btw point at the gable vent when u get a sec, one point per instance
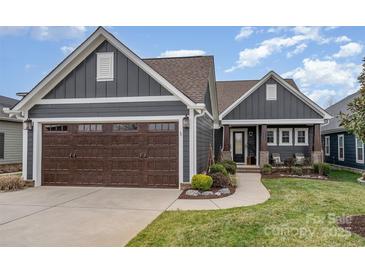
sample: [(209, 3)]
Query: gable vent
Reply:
[(105, 66)]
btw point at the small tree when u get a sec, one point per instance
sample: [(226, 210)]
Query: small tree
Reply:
[(354, 121)]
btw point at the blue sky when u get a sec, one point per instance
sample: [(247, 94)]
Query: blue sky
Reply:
[(324, 61)]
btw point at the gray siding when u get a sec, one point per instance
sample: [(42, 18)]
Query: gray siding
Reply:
[(205, 140), (129, 80), (287, 152), (186, 155), (13, 144), (350, 151), (287, 106), (30, 155), (108, 109)]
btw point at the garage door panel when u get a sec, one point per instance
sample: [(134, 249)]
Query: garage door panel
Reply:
[(137, 155)]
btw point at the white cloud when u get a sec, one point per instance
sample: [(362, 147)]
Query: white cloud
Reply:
[(45, 33), (67, 49), (182, 53), (298, 49), (348, 50), (29, 66), (325, 72), (245, 32), (324, 97), (342, 39)]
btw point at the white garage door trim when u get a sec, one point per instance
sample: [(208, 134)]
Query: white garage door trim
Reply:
[(37, 136)]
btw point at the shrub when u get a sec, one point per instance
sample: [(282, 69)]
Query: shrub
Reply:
[(218, 168), (322, 168), (267, 169), (296, 170), (220, 180), (11, 182), (230, 166), (201, 182)]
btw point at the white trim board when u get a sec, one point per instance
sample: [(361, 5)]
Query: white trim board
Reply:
[(274, 122), (77, 56), (279, 79), (109, 100), (37, 137), (357, 152), (338, 147), (327, 143)]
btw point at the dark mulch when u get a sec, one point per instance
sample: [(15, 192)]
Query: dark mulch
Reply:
[(201, 197), (354, 224)]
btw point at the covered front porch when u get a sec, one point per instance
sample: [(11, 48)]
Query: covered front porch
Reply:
[(254, 145)]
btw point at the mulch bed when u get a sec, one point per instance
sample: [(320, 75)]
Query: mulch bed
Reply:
[(354, 224), (204, 197)]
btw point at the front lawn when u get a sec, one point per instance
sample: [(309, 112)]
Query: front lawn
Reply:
[(300, 212)]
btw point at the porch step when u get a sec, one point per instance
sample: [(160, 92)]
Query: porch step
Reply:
[(255, 169)]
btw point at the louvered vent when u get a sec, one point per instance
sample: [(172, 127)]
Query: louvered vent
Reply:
[(105, 66)]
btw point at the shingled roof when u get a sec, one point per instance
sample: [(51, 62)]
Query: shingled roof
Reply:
[(188, 74), (334, 110), (230, 91)]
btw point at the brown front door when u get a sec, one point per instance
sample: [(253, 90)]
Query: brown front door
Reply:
[(125, 154)]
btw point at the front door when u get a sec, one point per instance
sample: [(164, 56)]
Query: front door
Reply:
[(238, 146)]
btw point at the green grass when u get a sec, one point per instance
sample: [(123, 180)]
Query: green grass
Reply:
[(300, 212)]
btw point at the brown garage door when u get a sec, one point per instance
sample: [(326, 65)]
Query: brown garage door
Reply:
[(125, 154)]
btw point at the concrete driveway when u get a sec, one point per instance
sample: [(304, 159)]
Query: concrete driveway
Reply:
[(79, 216)]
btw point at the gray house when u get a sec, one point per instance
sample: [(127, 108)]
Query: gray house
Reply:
[(340, 147), (104, 116), (10, 135)]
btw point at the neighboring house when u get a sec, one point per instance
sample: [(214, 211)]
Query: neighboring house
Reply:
[(340, 147), (104, 116), (10, 134)]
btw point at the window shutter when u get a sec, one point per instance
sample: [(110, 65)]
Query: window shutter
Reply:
[(271, 92), (2, 145), (105, 66)]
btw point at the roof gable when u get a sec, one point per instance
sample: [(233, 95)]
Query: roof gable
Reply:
[(77, 56), (286, 85)]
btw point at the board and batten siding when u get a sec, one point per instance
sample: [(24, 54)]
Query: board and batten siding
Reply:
[(129, 80), (350, 151), (120, 109), (13, 142), (287, 106), (205, 141)]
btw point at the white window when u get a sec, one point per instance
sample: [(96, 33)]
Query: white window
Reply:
[(271, 92), (359, 151), (285, 136), (271, 137), (105, 66), (341, 147), (327, 143), (301, 136)]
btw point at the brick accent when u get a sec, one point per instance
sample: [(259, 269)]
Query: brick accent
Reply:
[(264, 158)]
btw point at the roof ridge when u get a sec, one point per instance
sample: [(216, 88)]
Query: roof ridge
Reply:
[(177, 57), (249, 80)]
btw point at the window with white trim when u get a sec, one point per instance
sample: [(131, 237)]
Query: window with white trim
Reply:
[(271, 92), (285, 136), (327, 143), (271, 137), (341, 147), (359, 151), (301, 136), (104, 66)]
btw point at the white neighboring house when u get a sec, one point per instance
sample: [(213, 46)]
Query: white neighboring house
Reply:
[(11, 138)]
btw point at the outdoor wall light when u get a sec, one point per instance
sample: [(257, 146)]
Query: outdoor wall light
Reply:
[(28, 124), (186, 122)]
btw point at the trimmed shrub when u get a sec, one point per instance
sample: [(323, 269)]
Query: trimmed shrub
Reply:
[(322, 168), (266, 169), (220, 180), (202, 182), (216, 168), (230, 166), (296, 170), (11, 183)]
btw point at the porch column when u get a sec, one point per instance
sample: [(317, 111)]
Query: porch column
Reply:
[(264, 153), (317, 148), (226, 154)]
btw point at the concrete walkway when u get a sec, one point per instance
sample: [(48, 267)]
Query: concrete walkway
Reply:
[(250, 191)]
